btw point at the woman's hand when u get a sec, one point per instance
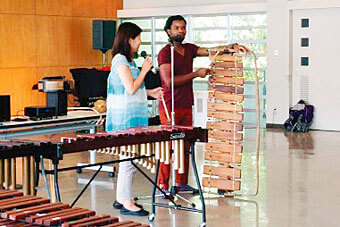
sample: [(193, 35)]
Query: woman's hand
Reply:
[(156, 93), (147, 65)]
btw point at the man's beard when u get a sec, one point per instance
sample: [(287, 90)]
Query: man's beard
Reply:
[(177, 38)]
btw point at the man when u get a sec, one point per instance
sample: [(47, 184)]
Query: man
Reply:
[(184, 54)]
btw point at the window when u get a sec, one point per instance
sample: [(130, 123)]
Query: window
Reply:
[(213, 30)]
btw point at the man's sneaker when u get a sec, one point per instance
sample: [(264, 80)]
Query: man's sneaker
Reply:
[(168, 194), (187, 188)]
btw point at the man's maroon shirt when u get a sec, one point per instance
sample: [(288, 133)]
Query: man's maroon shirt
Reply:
[(184, 97)]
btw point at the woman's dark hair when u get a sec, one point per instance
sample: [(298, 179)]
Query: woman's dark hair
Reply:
[(172, 19), (121, 45)]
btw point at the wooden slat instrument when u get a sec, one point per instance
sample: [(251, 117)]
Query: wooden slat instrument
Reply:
[(19, 210)]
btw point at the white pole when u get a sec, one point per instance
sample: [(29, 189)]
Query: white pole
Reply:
[(172, 86)]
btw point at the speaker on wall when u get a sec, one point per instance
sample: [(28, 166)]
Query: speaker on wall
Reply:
[(5, 108), (103, 34)]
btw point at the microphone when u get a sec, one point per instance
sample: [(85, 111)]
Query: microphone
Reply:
[(144, 55), (177, 38)]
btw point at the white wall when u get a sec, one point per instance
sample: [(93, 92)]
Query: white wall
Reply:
[(277, 61), (278, 36), (138, 4)]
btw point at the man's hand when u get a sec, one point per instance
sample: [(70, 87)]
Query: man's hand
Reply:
[(201, 72), (232, 48), (241, 49)]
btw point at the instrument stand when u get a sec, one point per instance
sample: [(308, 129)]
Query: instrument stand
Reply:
[(174, 194), (174, 189)]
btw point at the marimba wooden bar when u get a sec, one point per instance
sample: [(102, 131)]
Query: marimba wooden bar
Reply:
[(19, 210), (225, 113)]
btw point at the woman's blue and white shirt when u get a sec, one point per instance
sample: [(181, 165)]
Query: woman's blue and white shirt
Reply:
[(124, 110)]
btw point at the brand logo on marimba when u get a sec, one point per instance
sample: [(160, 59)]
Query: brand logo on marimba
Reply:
[(175, 136)]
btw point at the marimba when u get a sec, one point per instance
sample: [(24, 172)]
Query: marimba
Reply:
[(19, 210), (225, 114), (151, 143), (9, 151)]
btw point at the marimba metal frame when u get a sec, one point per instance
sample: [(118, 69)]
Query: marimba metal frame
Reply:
[(175, 206), (55, 152), (56, 170)]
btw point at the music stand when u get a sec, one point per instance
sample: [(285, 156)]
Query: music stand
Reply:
[(174, 189)]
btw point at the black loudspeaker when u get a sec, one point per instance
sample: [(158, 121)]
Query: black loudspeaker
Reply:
[(5, 108), (103, 34), (58, 100)]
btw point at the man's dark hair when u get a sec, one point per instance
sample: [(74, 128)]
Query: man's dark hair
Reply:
[(172, 19), (121, 44)]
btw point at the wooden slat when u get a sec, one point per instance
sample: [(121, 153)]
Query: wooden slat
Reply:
[(227, 57), (225, 126), (227, 65), (222, 157), (123, 223), (99, 222), (225, 136), (225, 115), (222, 184), (226, 80), (24, 203), (226, 97), (224, 147), (34, 218), (225, 107), (226, 88), (16, 199), (227, 73), (222, 171), (12, 224), (23, 213), (88, 220), (8, 194), (53, 221)]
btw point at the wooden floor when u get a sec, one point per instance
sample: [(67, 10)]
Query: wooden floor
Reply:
[(298, 185)]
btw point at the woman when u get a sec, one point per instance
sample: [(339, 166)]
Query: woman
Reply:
[(127, 105)]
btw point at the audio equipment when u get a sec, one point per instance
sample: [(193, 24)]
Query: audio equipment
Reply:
[(58, 101), (103, 34), (5, 108), (40, 112)]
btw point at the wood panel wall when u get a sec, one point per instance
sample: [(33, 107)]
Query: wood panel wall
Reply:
[(41, 38)]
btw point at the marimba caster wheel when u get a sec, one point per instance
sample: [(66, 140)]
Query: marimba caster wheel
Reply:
[(151, 218), (79, 170), (193, 205), (111, 174), (203, 224)]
